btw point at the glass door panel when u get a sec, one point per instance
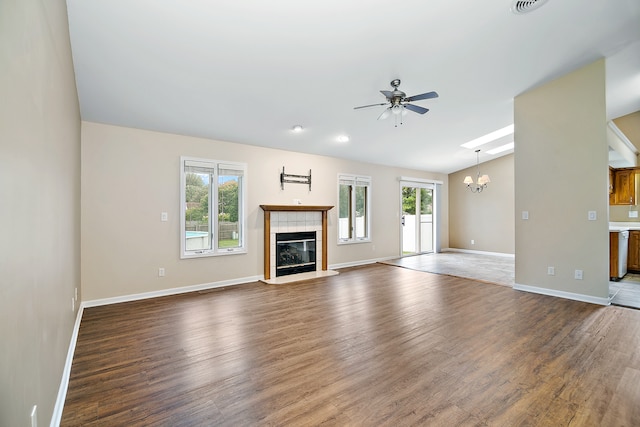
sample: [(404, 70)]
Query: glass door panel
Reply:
[(426, 220), (417, 219)]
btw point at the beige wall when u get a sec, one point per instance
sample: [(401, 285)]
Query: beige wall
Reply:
[(561, 173), (488, 217), (130, 176), (621, 213), (40, 206), (629, 125)]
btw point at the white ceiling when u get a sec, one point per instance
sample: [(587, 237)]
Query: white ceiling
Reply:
[(247, 71)]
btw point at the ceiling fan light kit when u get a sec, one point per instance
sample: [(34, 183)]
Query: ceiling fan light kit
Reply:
[(398, 103)]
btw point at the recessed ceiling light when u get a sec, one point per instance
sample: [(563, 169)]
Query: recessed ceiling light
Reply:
[(500, 149), (524, 6), (343, 138), (297, 128), (489, 137)]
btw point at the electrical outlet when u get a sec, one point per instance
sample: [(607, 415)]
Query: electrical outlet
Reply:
[(161, 272), (164, 216), (473, 242), (578, 275), (551, 271), (592, 216), (633, 214)]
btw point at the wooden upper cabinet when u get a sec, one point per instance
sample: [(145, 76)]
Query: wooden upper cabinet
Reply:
[(624, 187), (610, 180)]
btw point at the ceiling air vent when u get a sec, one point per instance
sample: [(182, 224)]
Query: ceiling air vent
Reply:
[(525, 6)]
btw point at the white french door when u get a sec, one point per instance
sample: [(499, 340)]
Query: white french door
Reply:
[(417, 217)]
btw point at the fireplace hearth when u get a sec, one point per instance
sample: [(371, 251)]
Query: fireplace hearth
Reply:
[(290, 254)]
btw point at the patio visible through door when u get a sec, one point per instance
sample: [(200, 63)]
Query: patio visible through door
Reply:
[(417, 218)]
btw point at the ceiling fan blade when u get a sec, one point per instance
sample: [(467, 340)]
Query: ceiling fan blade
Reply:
[(386, 113), (387, 93), (416, 108), (372, 105), (427, 95)]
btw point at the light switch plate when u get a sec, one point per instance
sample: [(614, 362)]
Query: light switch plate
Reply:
[(164, 216), (592, 215), (525, 214), (633, 214)]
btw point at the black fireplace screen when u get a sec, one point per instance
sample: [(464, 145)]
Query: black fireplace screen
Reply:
[(295, 253)]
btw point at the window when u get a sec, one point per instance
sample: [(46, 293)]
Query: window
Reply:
[(211, 207), (354, 197)]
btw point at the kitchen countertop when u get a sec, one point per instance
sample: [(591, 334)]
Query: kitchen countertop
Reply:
[(624, 226)]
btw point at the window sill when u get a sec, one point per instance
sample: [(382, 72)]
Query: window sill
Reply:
[(353, 242), (207, 254)]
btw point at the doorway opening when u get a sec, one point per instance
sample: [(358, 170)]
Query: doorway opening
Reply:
[(418, 220)]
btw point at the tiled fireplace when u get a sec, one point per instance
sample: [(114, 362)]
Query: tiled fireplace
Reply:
[(282, 220)]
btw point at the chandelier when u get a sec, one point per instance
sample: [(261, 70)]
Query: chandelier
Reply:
[(482, 180)]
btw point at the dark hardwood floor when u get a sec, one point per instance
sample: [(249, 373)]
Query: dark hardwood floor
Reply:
[(374, 346)]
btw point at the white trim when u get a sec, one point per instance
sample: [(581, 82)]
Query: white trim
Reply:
[(214, 166), (423, 180), (352, 242), (469, 251), (363, 262), (56, 417), (356, 181), (622, 137), (562, 294), (171, 291)]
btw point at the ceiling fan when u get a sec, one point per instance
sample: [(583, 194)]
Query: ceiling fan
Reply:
[(398, 102)]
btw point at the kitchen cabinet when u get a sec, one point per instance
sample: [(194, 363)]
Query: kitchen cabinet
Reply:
[(610, 182), (613, 256), (624, 187), (633, 261)]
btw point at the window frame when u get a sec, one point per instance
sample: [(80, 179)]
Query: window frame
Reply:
[(354, 182), (213, 188)]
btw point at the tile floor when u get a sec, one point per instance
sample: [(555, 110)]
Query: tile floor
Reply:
[(487, 268), (501, 270), (626, 292)]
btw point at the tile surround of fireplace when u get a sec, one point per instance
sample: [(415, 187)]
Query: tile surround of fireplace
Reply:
[(289, 219)]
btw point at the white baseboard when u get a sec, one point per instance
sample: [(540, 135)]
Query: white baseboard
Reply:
[(362, 262), (469, 251), (171, 291), (562, 294), (66, 371)]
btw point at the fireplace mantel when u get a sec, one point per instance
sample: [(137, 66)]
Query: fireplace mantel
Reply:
[(291, 208), (295, 208)]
